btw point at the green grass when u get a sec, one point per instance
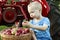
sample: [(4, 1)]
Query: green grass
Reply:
[(2, 27)]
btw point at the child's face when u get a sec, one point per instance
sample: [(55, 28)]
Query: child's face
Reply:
[(33, 13)]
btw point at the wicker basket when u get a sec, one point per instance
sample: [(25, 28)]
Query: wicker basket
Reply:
[(27, 36)]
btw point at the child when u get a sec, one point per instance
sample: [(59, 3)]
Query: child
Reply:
[(40, 25)]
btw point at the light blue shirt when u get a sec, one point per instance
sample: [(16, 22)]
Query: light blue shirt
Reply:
[(41, 33)]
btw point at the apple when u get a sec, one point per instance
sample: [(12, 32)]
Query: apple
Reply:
[(8, 33), (14, 30), (26, 30), (19, 30), (4, 32), (8, 30), (17, 34), (23, 32)]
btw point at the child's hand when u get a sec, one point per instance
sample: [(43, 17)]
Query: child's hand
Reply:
[(25, 23)]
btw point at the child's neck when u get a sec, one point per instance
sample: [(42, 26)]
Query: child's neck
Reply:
[(39, 18)]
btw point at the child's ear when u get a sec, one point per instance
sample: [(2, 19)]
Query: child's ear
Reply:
[(39, 10)]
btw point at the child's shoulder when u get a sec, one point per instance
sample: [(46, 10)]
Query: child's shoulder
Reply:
[(46, 21), (45, 18)]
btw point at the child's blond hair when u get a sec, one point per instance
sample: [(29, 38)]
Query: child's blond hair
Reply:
[(35, 5)]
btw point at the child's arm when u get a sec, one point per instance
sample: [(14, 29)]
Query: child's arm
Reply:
[(44, 27), (33, 36)]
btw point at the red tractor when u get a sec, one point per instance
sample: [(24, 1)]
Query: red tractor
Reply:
[(12, 10)]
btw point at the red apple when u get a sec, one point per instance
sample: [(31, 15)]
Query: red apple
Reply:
[(23, 32), (8, 30), (5, 31), (26, 30), (8, 33), (17, 34), (20, 30), (14, 30)]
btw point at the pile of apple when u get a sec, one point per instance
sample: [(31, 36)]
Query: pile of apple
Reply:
[(16, 31)]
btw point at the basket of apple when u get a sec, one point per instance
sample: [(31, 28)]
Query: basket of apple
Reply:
[(16, 34)]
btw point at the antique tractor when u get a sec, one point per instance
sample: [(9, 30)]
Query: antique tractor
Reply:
[(12, 10)]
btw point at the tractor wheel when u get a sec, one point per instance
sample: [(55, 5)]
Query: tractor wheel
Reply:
[(9, 15), (0, 17)]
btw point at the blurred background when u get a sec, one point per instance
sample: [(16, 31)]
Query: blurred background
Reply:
[(54, 16)]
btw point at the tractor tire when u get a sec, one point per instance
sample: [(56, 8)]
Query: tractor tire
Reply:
[(0, 17), (9, 15)]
